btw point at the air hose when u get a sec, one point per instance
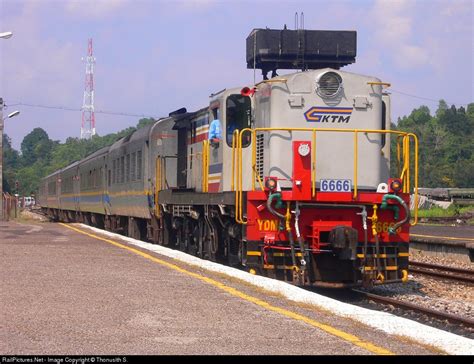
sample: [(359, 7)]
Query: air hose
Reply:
[(385, 205), (271, 196), (285, 218)]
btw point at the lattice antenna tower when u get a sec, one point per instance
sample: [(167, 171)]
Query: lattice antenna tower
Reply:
[(88, 117)]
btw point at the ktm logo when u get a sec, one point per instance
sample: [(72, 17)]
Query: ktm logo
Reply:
[(328, 114)]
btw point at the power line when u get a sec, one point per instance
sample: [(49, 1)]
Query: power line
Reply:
[(65, 108), (426, 98)]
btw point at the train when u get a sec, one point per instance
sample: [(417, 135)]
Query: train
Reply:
[(288, 177)]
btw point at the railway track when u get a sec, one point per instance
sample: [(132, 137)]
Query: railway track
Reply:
[(440, 271), (455, 319)]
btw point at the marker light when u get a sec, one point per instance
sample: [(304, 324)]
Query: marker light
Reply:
[(396, 185), (271, 183)]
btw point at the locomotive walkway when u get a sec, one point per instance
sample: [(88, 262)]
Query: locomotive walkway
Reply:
[(66, 290)]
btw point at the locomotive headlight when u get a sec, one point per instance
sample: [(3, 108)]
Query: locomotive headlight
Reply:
[(396, 185), (303, 150), (329, 85)]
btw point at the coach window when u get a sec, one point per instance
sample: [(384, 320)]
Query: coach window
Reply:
[(127, 167), (122, 169), (114, 174), (139, 165), (238, 109), (133, 166), (117, 171)]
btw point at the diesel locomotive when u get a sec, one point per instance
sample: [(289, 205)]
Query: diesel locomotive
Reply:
[(292, 182)]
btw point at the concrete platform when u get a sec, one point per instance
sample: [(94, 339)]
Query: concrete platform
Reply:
[(63, 292), (441, 240)]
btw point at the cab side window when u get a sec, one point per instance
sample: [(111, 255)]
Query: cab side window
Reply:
[(215, 132), (238, 110)]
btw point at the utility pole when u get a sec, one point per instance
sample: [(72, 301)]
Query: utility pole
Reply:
[(3, 35), (88, 116)]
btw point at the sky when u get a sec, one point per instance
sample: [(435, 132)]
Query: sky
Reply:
[(153, 57)]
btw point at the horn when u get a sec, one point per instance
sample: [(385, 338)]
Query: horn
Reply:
[(247, 91)]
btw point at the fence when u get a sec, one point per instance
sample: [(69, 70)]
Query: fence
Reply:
[(10, 206)]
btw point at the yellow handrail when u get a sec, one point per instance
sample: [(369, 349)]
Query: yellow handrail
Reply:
[(415, 217), (313, 165), (237, 158), (205, 165), (260, 182), (254, 160), (408, 165), (239, 211), (399, 154), (356, 154), (235, 135), (387, 84)]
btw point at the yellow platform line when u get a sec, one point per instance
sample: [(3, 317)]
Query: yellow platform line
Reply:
[(441, 237), (327, 328)]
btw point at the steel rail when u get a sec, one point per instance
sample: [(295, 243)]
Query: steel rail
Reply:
[(442, 267), (465, 321), (440, 271)]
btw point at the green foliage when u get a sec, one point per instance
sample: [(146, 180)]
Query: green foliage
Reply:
[(446, 149), (145, 122), (11, 161), (451, 211), (36, 146)]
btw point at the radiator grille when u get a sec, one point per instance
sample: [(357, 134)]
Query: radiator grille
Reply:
[(260, 155)]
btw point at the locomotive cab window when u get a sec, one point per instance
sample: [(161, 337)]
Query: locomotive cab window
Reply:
[(238, 109)]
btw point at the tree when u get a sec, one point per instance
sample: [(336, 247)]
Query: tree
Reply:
[(11, 163), (144, 122), (442, 107), (36, 145)]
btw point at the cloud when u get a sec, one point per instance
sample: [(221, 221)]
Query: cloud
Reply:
[(392, 22), (196, 4), (409, 57), (95, 8)]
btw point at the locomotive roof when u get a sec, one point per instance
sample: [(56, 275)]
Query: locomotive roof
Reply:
[(184, 120)]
